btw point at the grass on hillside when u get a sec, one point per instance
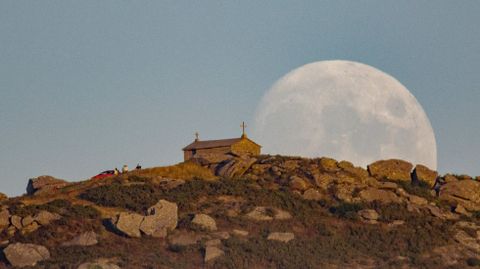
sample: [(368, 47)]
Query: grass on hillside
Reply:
[(185, 170)]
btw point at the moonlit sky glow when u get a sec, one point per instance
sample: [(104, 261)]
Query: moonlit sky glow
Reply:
[(87, 86), (345, 110)]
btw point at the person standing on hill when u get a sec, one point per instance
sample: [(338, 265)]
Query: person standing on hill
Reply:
[(115, 171), (138, 167), (125, 168)]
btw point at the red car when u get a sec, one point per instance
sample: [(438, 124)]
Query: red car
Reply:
[(104, 174)]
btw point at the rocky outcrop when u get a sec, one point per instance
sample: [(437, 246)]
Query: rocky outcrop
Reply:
[(84, 239), (44, 184), (21, 255), (423, 173), (205, 222), (281, 237), (463, 192), (391, 170), (328, 165), (383, 196), (3, 197), (234, 167)]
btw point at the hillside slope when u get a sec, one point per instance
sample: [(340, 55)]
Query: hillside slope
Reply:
[(267, 212)]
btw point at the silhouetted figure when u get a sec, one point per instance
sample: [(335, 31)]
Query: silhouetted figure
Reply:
[(138, 167), (125, 168)]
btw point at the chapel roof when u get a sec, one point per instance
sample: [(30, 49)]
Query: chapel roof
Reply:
[(212, 143)]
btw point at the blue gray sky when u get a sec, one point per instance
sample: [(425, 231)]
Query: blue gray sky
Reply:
[(91, 85)]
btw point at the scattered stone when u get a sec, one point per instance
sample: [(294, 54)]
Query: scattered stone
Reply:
[(401, 192), (21, 255), (168, 183), (11, 230), (282, 237), (16, 221), (44, 217), (4, 218), (44, 184), (241, 233), (423, 173), (221, 235), (383, 196), (417, 200), (101, 263), (368, 214), (312, 194), (27, 221), (391, 170), (459, 209), (30, 228), (212, 252), (323, 180), (84, 239), (128, 224), (205, 222), (261, 213), (183, 238), (298, 183), (396, 223), (213, 242), (466, 240)]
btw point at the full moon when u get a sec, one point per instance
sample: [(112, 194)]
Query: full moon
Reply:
[(344, 110)]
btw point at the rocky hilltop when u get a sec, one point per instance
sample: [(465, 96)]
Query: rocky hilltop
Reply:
[(263, 212)]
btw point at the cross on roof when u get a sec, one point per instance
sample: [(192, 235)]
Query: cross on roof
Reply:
[(243, 126)]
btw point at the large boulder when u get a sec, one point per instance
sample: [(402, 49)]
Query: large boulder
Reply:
[(463, 192), (383, 196), (44, 184), (205, 222), (21, 255), (423, 173), (128, 224), (161, 218), (391, 170), (234, 167)]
